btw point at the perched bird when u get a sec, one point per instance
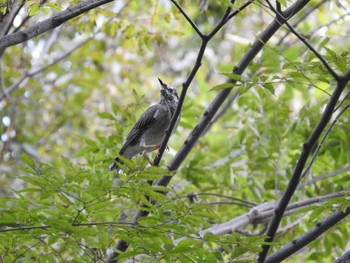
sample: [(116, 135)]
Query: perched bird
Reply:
[(149, 130)]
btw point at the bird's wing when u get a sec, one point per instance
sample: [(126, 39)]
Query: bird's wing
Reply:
[(146, 119)]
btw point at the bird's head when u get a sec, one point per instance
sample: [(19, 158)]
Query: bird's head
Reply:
[(168, 94)]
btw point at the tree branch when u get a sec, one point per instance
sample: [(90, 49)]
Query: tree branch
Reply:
[(323, 139), (296, 176), (345, 258), (302, 39), (209, 113), (34, 70), (26, 18), (186, 84), (302, 18), (325, 176), (308, 237), (123, 245), (259, 214), (223, 94), (50, 23), (190, 21)]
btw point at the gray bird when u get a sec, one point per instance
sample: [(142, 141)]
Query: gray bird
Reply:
[(149, 130)]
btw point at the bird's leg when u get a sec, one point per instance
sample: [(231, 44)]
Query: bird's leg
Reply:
[(151, 146)]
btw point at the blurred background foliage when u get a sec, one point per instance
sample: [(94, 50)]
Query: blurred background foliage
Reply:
[(61, 127)]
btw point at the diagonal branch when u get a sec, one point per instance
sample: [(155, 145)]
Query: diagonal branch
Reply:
[(302, 18), (50, 23), (192, 23), (308, 237), (226, 17), (325, 176), (239, 9), (209, 113), (344, 258), (323, 139), (259, 214), (122, 245), (30, 73), (299, 167), (223, 94), (302, 39), (26, 18)]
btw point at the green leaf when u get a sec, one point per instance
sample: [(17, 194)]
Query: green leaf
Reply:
[(223, 86), (106, 115), (316, 213), (130, 31), (28, 161), (283, 2), (34, 9), (269, 87), (232, 76)]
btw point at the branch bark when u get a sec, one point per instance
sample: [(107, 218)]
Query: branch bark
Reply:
[(123, 245), (298, 170), (345, 258), (308, 237), (50, 23), (223, 94), (259, 214)]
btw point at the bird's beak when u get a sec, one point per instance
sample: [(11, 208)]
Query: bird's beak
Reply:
[(161, 82)]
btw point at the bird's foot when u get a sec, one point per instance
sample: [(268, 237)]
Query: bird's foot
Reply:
[(166, 148)]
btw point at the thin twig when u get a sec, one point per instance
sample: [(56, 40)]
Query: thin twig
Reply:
[(306, 43), (219, 114), (239, 9), (26, 18), (323, 139), (342, 101), (325, 176), (192, 23), (302, 18), (186, 84), (193, 195), (122, 245), (32, 72), (2, 80)]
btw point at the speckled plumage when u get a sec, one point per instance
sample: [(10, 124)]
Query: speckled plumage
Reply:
[(150, 129)]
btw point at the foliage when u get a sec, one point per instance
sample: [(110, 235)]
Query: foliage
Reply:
[(62, 125)]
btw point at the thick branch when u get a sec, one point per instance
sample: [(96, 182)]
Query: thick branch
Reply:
[(308, 145), (345, 258), (50, 23), (308, 237)]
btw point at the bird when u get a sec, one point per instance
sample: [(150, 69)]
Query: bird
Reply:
[(149, 131)]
